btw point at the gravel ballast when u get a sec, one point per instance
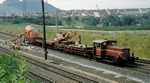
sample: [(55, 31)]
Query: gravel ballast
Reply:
[(111, 72)]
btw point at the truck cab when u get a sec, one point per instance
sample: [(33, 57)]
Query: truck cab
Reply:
[(31, 34), (34, 33)]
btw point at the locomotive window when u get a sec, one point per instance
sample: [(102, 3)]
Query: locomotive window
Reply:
[(126, 53), (114, 43), (104, 43), (97, 44)]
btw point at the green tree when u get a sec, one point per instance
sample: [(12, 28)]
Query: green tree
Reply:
[(76, 18), (128, 20), (8, 67), (111, 20), (90, 20), (68, 20)]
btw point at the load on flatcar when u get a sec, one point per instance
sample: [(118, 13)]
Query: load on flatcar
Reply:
[(31, 34)]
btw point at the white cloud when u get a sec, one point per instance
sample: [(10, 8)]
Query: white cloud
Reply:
[(1, 1), (102, 4)]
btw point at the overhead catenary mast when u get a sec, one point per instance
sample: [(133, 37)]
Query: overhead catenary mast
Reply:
[(56, 18), (24, 8)]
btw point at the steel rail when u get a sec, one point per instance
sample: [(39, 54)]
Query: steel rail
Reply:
[(60, 71)]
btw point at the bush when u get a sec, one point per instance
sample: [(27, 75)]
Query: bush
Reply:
[(8, 67)]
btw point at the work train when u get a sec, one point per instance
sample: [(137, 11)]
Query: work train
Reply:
[(101, 50)]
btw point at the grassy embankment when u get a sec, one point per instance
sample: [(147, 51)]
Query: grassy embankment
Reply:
[(137, 40)]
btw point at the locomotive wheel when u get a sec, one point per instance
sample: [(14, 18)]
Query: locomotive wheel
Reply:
[(132, 60), (94, 57), (114, 60), (88, 55), (99, 59), (70, 52), (52, 47), (121, 61), (63, 50)]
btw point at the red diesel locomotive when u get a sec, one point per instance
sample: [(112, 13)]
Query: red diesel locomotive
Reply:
[(107, 50)]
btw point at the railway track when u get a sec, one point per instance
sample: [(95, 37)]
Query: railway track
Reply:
[(139, 69), (143, 61), (60, 71), (31, 75), (142, 66), (7, 34)]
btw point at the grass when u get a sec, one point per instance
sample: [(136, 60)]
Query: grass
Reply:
[(137, 40)]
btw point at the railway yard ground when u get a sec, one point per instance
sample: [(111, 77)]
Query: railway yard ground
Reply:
[(81, 69), (92, 73)]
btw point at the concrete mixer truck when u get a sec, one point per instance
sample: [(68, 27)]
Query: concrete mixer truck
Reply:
[(30, 35)]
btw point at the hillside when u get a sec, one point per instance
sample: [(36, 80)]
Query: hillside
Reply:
[(14, 6)]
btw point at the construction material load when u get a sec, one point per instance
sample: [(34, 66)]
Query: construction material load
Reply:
[(32, 32), (63, 37)]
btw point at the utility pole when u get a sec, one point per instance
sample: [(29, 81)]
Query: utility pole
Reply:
[(56, 18), (24, 8), (44, 40)]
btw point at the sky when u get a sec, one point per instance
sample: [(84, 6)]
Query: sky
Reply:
[(102, 4)]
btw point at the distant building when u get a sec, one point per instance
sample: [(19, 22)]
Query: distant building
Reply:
[(132, 11), (113, 11), (143, 10), (103, 12), (96, 14), (83, 14)]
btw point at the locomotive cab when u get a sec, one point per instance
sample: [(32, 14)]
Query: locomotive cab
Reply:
[(99, 49)]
